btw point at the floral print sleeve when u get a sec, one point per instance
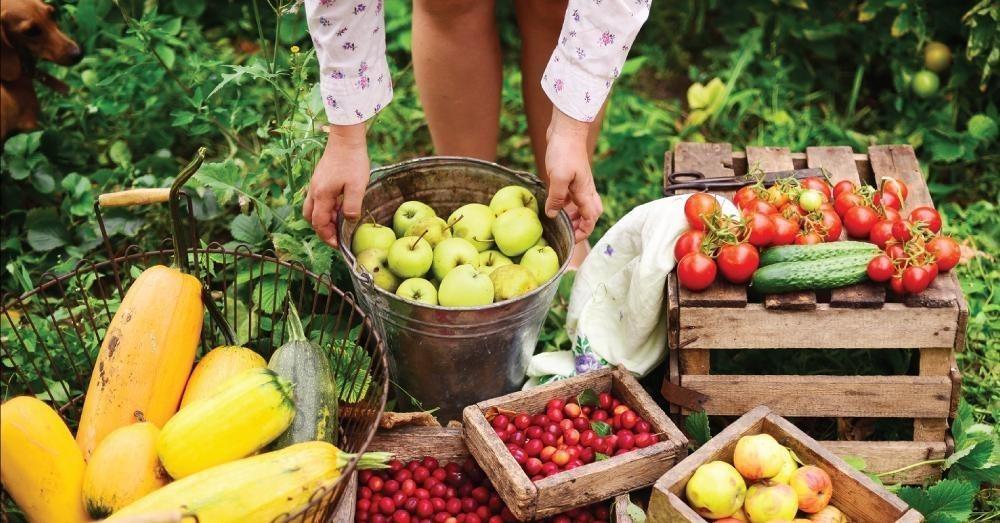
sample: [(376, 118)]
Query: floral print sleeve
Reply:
[(349, 36), (595, 40)]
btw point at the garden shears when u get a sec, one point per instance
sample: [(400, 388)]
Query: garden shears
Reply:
[(697, 181)]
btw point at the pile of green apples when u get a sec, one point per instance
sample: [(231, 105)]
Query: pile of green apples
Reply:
[(480, 255)]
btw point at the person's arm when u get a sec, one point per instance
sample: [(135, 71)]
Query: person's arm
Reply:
[(592, 47), (355, 85)]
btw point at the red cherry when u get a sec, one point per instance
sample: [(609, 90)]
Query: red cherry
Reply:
[(604, 400), (556, 404), (522, 421), (533, 466), (500, 422), (386, 506)]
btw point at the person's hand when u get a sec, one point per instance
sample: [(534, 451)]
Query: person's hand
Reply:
[(571, 183), (338, 182)]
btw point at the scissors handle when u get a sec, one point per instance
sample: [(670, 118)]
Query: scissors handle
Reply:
[(685, 177)]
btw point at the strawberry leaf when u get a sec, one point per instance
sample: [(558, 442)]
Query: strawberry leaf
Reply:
[(587, 397), (696, 425), (950, 501)]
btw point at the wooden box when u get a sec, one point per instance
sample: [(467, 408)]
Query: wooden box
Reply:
[(583, 485), (862, 316), (445, 444), (861, 499)]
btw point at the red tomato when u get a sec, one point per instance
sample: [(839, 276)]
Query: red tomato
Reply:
[(758, 206), (818, 184), (776, 197), (916, 279), (901, 230), (859, 221), (832, 225), (792, 211), (896, 187), (946, 252), (880, 268), (761, 229), (697, 207), (928, 216), (842, 187), (809, 238), (696, 271), (891, 214), (784, 230), (737, 262), (896, 284), (896, 252), (689, 241), (846, 201), (933, 269), (880, 233), (887, 200), (744, 195)]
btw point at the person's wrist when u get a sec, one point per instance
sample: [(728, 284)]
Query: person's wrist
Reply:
[(351, 136), (563, 124)]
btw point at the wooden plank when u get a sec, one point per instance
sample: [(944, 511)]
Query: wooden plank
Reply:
[(779, 159), (714, 161), (534, 400), (899, 161), (344, 513), (894, 326), (839, 163), (885, 456), (673, 374), (861, 396), (668, 168), (933, 362), (625, 387), (911, 516), (510, 482), (410, 443)]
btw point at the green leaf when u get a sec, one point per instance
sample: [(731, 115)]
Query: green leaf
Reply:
[(350, 365), (120, 153), (45, 230), (982, 128), (600, 457), (858, 463), (269, 296), (248, 229), (587, 397), (632, 65), (601, 428), (166, 54), (949, 501), (696, 426), (287, 247), (319, 256)]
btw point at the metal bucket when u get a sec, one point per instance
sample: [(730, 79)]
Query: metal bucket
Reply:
[(453, 357)]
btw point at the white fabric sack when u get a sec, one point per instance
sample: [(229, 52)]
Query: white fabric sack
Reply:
[(616, 313)]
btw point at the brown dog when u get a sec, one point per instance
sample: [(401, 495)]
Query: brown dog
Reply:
[(28, 32)]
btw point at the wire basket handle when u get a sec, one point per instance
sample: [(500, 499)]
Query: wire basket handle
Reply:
[(171, 196)]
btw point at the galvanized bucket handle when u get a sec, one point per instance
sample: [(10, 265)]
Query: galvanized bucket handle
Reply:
[(385, 171), (179, 234)]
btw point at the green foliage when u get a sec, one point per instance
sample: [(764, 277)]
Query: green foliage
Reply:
[(949, 501), (696, 427)]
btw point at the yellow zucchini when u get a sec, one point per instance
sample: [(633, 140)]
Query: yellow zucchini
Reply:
[(41, 467), (123, 468), (220, 364), (247, 412)]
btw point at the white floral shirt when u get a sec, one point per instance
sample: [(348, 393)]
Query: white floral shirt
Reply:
[(349, 36)]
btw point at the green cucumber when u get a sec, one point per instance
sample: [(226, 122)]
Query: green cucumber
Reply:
[(821, 251), (811, 275)]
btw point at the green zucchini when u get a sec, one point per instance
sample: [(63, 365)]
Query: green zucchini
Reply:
[(308, 368), (821, 251), (810, 275)]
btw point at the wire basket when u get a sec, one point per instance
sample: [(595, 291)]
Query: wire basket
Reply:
[(51, 335)]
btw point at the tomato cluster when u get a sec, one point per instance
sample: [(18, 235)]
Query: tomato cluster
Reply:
[(914, 251), (425, 491), (572, 433), (790, 211)]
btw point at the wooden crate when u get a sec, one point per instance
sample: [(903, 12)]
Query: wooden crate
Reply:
[(858, 497), (861, 316), (445, 444), (583, 485)]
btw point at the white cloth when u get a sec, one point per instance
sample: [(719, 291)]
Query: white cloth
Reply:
[(616, 313), (349, 37)]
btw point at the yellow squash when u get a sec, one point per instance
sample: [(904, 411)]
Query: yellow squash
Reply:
[(248, 411), (220, 364), (146, 356), (41, 467), (259, 488), (123, 468)]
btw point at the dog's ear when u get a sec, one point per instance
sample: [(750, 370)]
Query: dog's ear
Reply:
[(10, 61)]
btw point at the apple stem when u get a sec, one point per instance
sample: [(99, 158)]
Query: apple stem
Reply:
[(452, 224), (415, 242), (371, 217)]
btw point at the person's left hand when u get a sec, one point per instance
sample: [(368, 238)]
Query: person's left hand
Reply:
[(571, 182)]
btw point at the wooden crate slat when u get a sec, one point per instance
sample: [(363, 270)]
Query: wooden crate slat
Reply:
[(883, 456), (839, 163), (934, 362), (899, 161), (410, 443), (793, 395), (894, 326), (779, 159), (714, 161)]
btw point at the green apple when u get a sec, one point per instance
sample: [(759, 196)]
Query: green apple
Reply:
[(543, 262), (418, 290), (432, 228), (510, 281), (451, 253), (410, 257), (372, 236), (409, 213), (374, 263), (490, 260), (474, 222), (465, 286), (511, 197), (542, 242), (516, 230)]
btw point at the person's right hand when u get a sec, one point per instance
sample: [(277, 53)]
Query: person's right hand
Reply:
[(338, 182)]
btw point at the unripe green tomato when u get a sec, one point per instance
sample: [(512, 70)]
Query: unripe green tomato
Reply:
[(810, 200)]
